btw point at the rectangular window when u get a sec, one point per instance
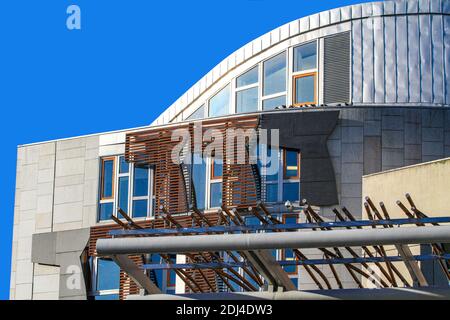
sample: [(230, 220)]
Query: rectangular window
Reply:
[(247, 100), (107, 180), (305, 89), (216, 183), (219, 105), (272, 103), (123, 194), (128, 187), (199, 180), (275, 75), (305, 57), (291, 164), (108, 275)]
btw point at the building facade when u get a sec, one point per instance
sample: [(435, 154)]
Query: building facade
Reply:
[(353, 91)]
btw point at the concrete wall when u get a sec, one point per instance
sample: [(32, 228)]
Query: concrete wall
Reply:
[(428, 184), (56, 190)]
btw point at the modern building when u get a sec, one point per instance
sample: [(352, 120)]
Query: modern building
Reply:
[(352, 91)]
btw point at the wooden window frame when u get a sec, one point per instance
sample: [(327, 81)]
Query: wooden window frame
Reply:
[(102, 184), (294, 88), (285, 166)]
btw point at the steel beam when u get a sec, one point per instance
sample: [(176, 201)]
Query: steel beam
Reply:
[(281, 227)]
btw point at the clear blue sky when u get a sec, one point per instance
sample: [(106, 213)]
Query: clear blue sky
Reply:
[(129, 62)]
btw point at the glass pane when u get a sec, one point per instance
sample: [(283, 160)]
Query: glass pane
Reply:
[(140, 186), (305, 57), (107, 297), (272, 192), (108, 275), (198, 114), (252, 221), (247, 100), (248, 78), (304, 90), (291, 191), (171, 278), (291, 165), (275, 74), (270, 104), (124, 167), (216, 194), (272, 165), (218, 168), (108, 176), (123, 193), (290, 220), (106, 211), (219, 105), (140, 208), (199, 178)]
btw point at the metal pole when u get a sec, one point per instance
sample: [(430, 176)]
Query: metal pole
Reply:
[(280, 240)]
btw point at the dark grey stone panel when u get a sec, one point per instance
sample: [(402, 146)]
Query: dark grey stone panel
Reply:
[(433, 118), (392, 122), (372, 128), (413, 133), (392, 158), (352, 152), (433, 134), (372, 155), (392, 139), (308, 131), (413, 152)]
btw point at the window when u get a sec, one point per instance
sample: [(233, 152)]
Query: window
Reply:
[(197, 114), (247, 91), (133, 185), (270, 104), (305, 57), (305, 89), (107, 191), (219, 105), (305, 74), (199, 180), (274, 84), (106, 279), (165, 280), (275, 75), (280, 186), (216, 183)]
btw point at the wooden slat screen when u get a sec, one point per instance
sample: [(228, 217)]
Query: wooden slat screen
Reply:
[(154, 147)]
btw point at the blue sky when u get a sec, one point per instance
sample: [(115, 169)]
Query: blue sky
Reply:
[(129, 62)]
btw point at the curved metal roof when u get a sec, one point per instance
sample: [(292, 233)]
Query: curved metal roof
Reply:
[(295, 28)]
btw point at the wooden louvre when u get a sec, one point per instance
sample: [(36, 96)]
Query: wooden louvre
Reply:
[(127, 285), (154, 147)]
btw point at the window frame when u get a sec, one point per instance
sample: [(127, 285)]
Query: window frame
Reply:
[(102, 180), (211, 178), (297, 177), (262, 81), (150, 197), (94, 276), (281, 176), (294, 88)]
